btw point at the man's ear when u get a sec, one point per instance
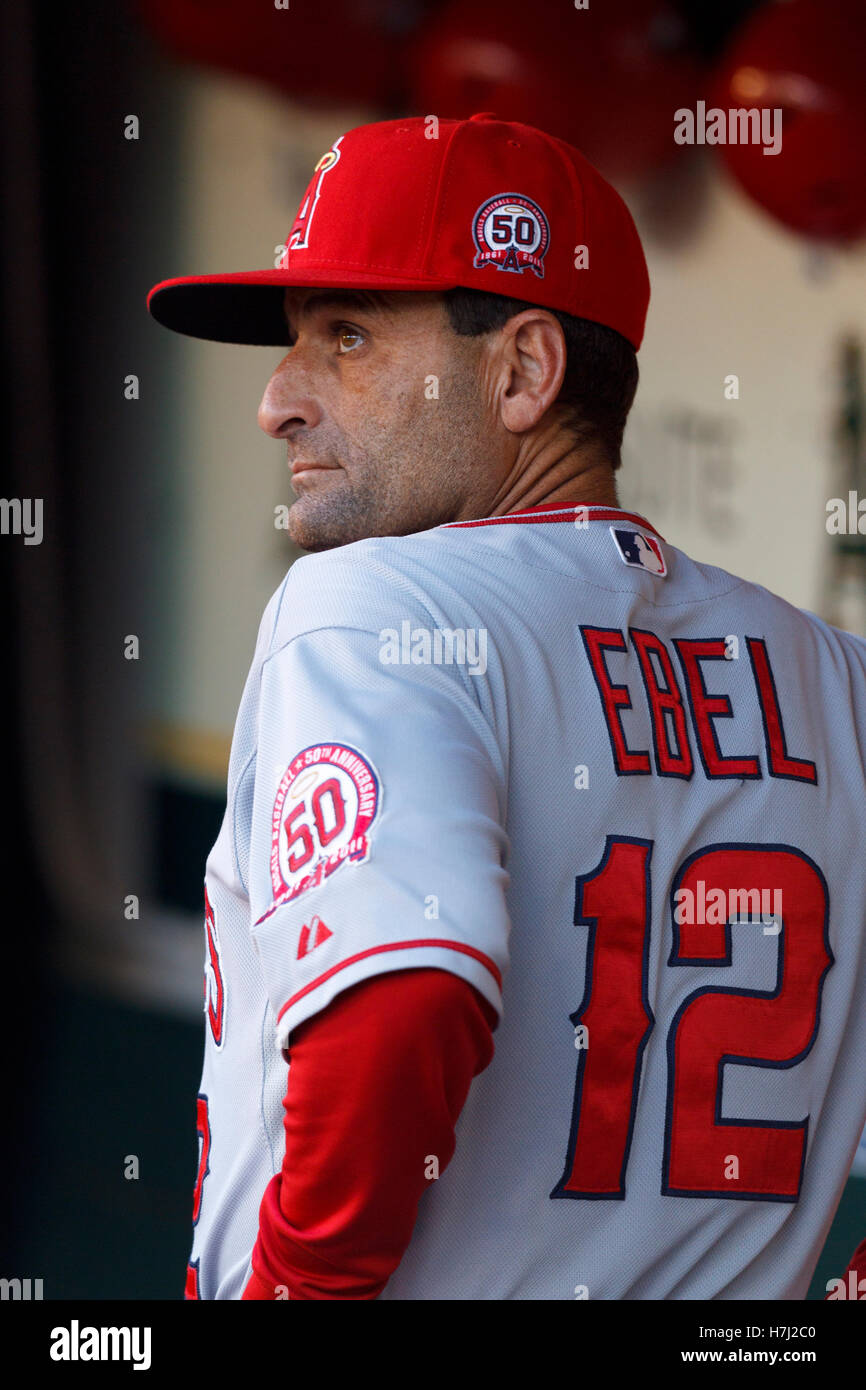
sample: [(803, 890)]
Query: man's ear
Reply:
[(533, 361)]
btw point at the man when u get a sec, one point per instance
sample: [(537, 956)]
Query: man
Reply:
[(500, 740)]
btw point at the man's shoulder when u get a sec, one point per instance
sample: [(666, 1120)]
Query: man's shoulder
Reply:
[(758, 603), (377, 583), (366, 585)]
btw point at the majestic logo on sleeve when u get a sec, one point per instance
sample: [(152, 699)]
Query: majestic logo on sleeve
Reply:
[(313, 933), (511, 232), (639, 549), (299, 236), (326, 803)]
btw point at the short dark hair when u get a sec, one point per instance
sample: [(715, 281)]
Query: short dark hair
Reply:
[(601, 373)]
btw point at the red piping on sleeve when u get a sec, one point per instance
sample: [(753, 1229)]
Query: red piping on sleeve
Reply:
[(420, 944)]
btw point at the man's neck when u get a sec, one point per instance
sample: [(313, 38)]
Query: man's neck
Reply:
[(593, 488), (555, 474)]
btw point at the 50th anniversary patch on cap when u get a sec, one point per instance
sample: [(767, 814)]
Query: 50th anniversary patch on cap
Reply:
[(511, 232)]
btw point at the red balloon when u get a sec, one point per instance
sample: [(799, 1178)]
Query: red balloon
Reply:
[(341, 52), (806, 58), (607, 79)]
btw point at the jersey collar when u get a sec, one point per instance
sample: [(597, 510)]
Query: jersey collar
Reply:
[(559, 511)]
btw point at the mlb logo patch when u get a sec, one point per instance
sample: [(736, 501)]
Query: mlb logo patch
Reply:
[(639, 550)]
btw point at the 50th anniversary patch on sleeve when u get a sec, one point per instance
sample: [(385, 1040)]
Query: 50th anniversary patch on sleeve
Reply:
[(326, 803)]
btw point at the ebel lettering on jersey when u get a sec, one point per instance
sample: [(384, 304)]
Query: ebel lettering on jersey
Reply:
[(667, 707), (325, 806)]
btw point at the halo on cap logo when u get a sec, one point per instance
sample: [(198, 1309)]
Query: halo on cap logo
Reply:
[(511, 232), (328, 160)]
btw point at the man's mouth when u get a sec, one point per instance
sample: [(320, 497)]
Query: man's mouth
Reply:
[(308, 466)]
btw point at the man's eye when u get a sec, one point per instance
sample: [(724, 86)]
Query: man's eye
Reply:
[(348, 338)]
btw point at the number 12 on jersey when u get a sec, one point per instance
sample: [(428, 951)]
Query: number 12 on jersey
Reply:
[(713, 1026)]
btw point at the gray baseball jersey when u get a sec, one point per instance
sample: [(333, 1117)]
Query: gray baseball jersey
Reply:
[(620, 793)]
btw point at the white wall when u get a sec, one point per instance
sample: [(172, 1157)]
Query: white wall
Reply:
[(745, 297)]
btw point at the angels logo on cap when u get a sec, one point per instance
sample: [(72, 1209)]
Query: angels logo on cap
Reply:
[(299, 236), (511, 232)]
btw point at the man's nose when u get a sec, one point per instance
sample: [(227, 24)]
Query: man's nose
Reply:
[(287, 404)]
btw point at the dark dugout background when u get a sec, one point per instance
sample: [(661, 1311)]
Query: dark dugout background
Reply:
[(92, 1079)]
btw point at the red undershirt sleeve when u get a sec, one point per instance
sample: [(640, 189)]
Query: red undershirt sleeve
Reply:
[(376, 1083)]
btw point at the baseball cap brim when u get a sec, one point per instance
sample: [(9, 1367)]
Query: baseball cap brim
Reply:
[(247, 306)]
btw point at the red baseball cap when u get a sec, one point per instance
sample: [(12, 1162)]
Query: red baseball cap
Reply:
[(428, 204)]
